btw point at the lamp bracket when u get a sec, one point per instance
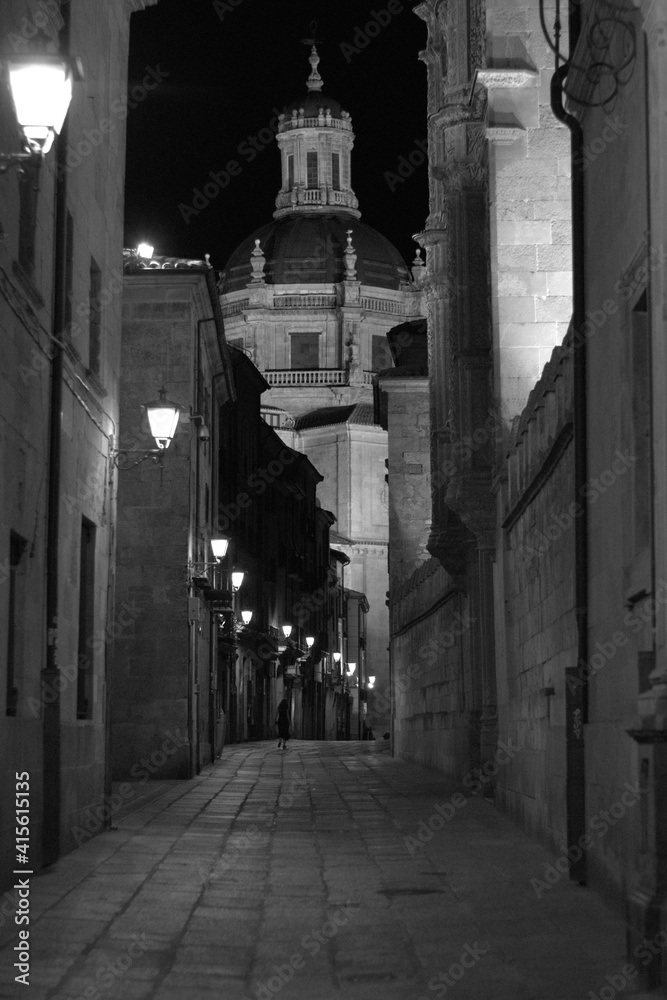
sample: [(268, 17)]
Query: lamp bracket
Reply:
[(20, 160), (121, 462)]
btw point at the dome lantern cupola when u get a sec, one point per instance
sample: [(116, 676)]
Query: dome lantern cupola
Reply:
[(315, 138)]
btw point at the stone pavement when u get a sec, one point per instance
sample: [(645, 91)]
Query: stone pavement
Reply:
[(300, 874)]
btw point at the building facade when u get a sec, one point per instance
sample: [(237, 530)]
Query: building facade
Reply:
[(163, 676), (527, 651), (60, 317), (311, 296)]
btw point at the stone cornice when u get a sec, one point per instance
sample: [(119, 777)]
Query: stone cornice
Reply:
[(504, 135), (503, 78), (406, 384), (430, 236)]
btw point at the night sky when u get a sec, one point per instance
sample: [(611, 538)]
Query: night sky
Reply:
[(229, 64)]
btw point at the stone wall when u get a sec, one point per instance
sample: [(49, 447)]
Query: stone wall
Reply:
[(431, 646), (535, 601), (67, 763), (161, 675)]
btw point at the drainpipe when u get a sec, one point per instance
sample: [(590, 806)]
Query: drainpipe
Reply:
[(51, 671), (577, 700)]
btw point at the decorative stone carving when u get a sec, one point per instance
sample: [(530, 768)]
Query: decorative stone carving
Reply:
[(257, 262), (494, 78)]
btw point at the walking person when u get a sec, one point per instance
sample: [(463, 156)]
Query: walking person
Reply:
[(283, 723)]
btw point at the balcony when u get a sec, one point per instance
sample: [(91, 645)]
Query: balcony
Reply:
[(313, 376), (322, 121), (319, 197)]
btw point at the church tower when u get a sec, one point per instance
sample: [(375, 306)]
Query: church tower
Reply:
[(310, 297)]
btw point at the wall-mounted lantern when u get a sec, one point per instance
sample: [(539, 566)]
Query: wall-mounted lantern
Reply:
[(163, 416), (40, 81)]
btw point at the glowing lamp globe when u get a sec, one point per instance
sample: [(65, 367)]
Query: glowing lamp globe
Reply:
[(41, 86), (219, 546), (163, 419)]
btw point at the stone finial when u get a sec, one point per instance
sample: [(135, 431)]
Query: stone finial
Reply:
[(257, 261), (314, 81), (350, 259), (419, 270)]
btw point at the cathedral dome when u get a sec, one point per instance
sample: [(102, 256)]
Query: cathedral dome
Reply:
[(311, 103), (309, 249)]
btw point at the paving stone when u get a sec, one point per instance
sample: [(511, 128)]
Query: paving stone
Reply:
[(326, 895)]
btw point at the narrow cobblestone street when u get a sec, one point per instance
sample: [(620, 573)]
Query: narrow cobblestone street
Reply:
[(289, 874)]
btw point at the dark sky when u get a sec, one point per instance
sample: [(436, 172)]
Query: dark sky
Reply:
[(229, 63)]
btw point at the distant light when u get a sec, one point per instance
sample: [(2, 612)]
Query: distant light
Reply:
[(371, 681), (145, 250), (351, 667)]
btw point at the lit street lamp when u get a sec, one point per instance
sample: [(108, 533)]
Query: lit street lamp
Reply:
[(163, 419), (163, 416), (40, 82), (219, 546)]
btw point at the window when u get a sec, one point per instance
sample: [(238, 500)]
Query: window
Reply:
[(84, 679), (311, 169), (381, 355), (69, 272), (95, 317), (28, 189), (335, 171), (290, 172), (305, 351), (15, 619), (641, 424)]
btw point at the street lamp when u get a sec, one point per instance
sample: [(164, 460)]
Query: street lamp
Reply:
[(287, 631), (351, 667), (40, 81), (310, 641), (371, 681), (163, 419), (163, 416), (145, 250), (219, 546), (237, 580), (247, 617)]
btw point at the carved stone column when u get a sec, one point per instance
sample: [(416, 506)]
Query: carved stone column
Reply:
[(459, 330)]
